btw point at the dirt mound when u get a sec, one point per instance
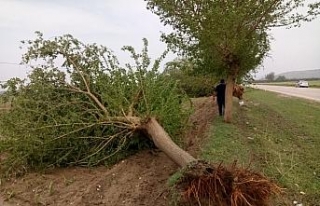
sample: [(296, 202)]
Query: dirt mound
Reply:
[(138, 180)]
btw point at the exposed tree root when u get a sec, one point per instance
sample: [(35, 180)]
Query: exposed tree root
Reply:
[(204, 184)]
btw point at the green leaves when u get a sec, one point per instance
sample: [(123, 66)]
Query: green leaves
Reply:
[(79, 106), (227, 37)]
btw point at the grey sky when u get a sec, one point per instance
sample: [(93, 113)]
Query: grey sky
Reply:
[(294, 49), (115, 23)]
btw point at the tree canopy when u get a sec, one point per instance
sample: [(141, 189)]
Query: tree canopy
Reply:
[(230, 37), (78, 106), (270, 76)]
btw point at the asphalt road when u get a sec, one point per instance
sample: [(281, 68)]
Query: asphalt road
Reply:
[(306, 93)]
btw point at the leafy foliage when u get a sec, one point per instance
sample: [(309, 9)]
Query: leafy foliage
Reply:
[(78, 106), (229, 38), (281, 78), (198, 86), (222, 34), (191, 82), (270, 76)]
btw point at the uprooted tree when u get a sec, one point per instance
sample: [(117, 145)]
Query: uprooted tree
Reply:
[(79, 100), (88, 110)]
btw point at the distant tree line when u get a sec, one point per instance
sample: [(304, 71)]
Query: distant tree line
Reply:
[(271, 78)]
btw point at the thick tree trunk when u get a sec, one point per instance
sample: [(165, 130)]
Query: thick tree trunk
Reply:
[(162, 140), (229, 99)]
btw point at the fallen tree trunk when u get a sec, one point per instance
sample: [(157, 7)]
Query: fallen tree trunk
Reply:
[(206, 184), (162, 140)]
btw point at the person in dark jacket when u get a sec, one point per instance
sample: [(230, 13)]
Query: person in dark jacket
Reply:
[(220, 91)]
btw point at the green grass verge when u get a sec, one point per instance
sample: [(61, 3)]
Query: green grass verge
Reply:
[(278, 136)]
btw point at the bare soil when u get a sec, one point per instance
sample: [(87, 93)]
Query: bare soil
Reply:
[(138, 180)]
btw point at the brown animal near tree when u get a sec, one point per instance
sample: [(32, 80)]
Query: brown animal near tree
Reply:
[(238, 91)]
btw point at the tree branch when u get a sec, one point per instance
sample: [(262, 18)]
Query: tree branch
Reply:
[(267, 11), (91, 96)]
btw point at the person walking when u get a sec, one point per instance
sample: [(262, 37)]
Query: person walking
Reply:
[(220, 90)]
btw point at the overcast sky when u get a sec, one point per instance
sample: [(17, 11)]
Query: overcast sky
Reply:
[(115, 23)]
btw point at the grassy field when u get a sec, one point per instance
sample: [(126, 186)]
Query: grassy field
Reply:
[(276, 135), (312, 83)]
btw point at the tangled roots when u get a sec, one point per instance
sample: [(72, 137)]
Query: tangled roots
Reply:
[(204, 184)]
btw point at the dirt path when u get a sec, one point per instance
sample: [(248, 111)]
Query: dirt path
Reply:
[(139, 180)]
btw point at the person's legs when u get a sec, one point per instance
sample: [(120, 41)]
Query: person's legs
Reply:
[(220, 107), (223, 107)]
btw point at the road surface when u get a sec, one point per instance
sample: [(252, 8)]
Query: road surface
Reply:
[(306, 93)]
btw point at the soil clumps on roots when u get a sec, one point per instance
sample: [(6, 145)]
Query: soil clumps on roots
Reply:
[(205, 184)]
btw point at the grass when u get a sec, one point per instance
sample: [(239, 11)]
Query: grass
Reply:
[(276, 135), (312, 83)]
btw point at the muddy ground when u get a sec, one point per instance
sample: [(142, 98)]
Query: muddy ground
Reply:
[(138, 180)]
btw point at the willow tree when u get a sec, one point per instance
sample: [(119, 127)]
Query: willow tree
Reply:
[(79, 106), (232, 35)]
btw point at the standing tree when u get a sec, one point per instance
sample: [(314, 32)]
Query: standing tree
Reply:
[(270, 76), (281, 78), (232, 36)]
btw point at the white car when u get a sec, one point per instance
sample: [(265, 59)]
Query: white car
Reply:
[(302, 83)]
